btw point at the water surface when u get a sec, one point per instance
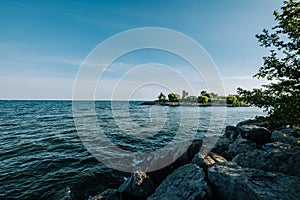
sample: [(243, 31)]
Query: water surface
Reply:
[(41, 151)]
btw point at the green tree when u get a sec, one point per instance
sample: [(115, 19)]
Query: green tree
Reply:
[(204, 93), (173, 97), (162, 97), (281, 97), (203, 99), (231, 99)]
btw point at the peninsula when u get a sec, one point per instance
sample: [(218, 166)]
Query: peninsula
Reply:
[(205, 99)]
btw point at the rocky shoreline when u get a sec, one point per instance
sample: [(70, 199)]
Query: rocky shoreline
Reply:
[(248, 162)]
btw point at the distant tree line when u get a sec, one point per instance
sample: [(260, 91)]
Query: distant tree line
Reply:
[(204, 98)]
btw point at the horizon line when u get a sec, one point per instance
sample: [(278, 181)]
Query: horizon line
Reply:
[(75, 100)]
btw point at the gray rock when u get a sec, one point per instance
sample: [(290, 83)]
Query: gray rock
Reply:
[(276, 147), (138, 186), (205, 160), (257, 134), (295, 132), (222, 145), (284, 136), (260, 123), (231, 132), (189, 153), (109, 194), (239, 146), (159, 175), (186, 182), (231, 182), (275, 157)]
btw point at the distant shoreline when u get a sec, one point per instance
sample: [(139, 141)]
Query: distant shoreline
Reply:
[(192, 104), (142, 102)]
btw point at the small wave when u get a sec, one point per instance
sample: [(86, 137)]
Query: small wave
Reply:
[(8, 124), (202, 130)]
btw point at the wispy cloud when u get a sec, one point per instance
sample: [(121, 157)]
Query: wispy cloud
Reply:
[(62, 60)]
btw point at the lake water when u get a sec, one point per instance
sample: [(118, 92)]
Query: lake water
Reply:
[(41, 150)]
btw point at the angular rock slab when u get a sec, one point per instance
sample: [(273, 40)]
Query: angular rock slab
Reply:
[(231, 132), (232, 182), (257, 134), (284, 136), (261, 123), (187, 182), (239, 146), (222, 145), (204, 161), (276, 156), (137, 186)]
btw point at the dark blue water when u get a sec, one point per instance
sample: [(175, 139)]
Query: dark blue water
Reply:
[(41, 151)]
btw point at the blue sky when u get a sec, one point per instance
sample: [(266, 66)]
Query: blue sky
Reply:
[(43, 43)]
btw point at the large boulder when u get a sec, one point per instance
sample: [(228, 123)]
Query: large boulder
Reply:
[(258, 122), (204, 161), (159, 175), (189, 153), (277, 157), (222, 145), (137, 186), (288, 136), (255, 133), (239, 146), (231, 182), (231, 132), (186, 182)]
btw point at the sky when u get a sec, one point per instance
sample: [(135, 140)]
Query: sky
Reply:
[(43, 44)]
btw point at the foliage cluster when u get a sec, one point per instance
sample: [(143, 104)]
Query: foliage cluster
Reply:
[(281, 97)]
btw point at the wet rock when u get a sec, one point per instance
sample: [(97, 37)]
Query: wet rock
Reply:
[(257, 134), (285, 136), (232, 182), (186, 182), (277, 157), (205, 160), (231, 132), (137, 186), (109, 194), (239, 146)]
